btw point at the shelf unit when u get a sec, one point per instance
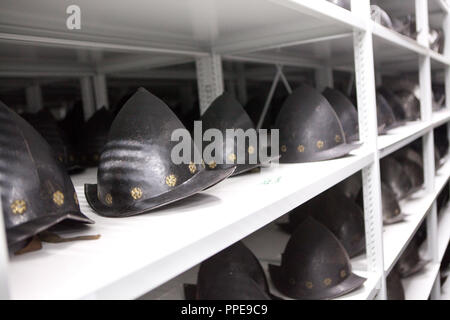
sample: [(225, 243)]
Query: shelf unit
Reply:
[(158, 250)]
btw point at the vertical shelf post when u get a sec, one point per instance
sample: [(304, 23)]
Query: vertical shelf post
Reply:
[(209, 79), (34, 98), (426, 110), (367, 117), (100, 91), (324, 78), (87, 96)]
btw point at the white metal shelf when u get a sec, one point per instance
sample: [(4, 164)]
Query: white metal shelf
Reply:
[(419, 285), (171, 240), (404, 135), (190, 28), (397, 39), (440, 117), (267, 244), (439, 58), (173, 290), (223, 27), (399, 137)]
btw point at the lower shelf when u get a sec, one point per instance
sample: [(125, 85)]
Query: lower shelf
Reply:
[(418, 286), (267, 244)]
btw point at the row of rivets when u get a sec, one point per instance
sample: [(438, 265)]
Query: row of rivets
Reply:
[(20, 206)]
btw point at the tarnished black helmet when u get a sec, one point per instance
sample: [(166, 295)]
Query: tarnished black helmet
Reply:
[(417, 147), (94, 136), (393, 175), (232, 274), (410, 262), (380, 16), (350, 187), (385, 116), (394, 101), (410, 154), (409, 103), (414, 172), (314, 265), (310, 129), (412, 164), (339, 214), (392, 213), (44, 123), (346, 112), (136, 173), (394, 286), (227, 113), (36, 190)]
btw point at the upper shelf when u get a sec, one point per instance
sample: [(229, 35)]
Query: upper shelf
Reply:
[(190, 27), (139, 34)]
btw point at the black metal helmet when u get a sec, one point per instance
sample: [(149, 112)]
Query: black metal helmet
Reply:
[(393, 175), (417, 147), (227, 113), (339, 214), (380, 16), (385, 116), (95, 136), (44, 123), (410, 262), (136, 173), (394, 286), (392, 213), (394, 102), (409, 103), (314, 265), (346, 112), (410, 154), (350, 187), (412, 164), (232, 274), (36, 190), (414, 172), (310, 129)]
